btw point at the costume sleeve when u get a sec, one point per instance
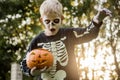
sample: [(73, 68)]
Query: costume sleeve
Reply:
[(24, 68), (82, 35), (23, 64)]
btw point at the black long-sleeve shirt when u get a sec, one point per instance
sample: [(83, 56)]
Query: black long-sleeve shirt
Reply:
[(62, 47)]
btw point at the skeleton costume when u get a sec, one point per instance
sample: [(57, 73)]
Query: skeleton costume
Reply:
[(62, 47)]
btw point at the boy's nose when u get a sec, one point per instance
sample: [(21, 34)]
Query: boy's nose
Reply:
[(52, 23)]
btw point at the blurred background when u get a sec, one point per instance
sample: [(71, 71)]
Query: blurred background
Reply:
[(97, 60)]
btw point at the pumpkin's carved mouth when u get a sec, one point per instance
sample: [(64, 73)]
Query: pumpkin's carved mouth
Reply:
[(43, 62)]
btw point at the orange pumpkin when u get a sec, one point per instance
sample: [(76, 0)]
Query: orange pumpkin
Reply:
[(39, 58)]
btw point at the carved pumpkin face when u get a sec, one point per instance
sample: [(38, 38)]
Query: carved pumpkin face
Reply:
[(39, 58)]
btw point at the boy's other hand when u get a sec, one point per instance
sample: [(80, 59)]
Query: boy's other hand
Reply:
[(102, 13)]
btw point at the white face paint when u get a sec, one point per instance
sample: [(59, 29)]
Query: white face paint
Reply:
[(52, 24)]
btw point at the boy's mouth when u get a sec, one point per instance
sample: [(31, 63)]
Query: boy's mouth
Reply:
[(52, 30)]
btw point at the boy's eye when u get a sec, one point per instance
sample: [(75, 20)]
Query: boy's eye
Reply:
[(56, 20), (47, 21)]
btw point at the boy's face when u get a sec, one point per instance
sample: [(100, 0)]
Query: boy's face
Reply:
[(52, 24)]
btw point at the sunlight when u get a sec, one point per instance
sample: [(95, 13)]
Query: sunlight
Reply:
[(96, 65)]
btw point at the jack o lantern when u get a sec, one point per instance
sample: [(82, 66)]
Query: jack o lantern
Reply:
[(39, 58)]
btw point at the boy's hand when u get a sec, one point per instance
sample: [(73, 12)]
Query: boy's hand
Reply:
[(102, 13), (34, 71)]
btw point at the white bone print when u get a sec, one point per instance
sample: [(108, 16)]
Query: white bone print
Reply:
[(62, 55), (60, 75), (86, 32), (59, 52)]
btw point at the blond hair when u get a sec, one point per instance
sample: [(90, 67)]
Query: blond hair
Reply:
[(51, 7)]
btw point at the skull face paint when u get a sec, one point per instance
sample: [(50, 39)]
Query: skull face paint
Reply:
[(52, 24)]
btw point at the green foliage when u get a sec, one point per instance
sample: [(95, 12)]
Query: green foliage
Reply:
[(12, 7), (14, 34)]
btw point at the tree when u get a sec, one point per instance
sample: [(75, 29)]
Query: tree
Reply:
[(17, 29), (106, 50)]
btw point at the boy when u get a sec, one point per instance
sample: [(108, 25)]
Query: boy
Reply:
[(61, 41)]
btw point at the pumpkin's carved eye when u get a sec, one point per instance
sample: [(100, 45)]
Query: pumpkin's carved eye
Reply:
[(33, 61), (32, 53), (45, 54)]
